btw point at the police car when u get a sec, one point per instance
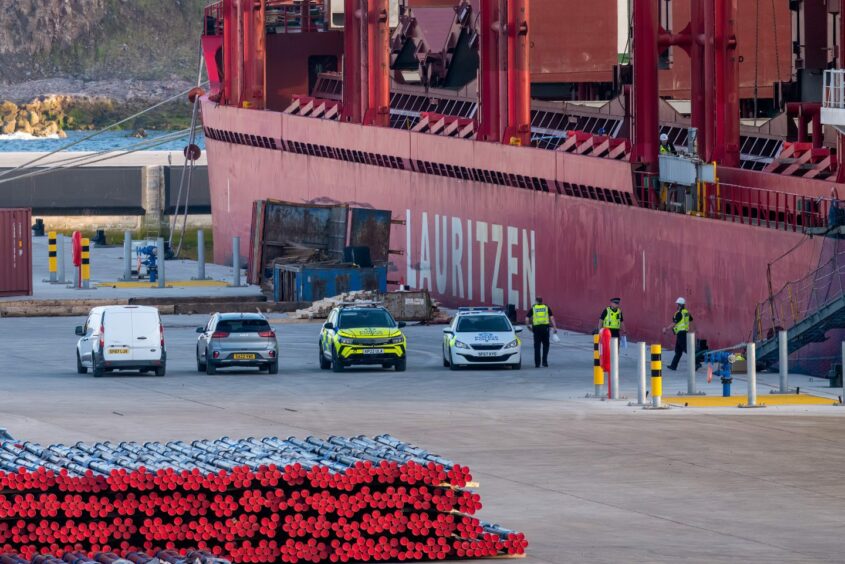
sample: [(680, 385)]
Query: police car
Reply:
[(481, 336), (361, 333)]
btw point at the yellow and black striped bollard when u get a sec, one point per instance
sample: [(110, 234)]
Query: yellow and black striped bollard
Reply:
[(52, 256), (598, 373), (85, 267), (656, 375)]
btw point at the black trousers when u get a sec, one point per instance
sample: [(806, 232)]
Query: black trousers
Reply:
[(680, 349), (541, 338)]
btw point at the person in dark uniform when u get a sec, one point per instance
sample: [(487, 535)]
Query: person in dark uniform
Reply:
[(681, 322), (611, 318), (540, 320)]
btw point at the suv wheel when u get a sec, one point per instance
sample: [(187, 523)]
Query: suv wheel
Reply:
[(401, 364), (337, 364), (273, 367), (79, 368), (200, 364), (210, 369), (325, 364)]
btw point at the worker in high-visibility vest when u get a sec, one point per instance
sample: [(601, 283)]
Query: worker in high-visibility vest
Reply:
[(540, 321), (681, 325), (611, 318), (666, 148)]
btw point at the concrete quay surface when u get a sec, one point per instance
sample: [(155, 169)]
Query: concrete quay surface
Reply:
[(586, 480), (107, 267)]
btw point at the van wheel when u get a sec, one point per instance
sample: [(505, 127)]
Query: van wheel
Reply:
[(325, 364), (210, 369), (401, 364), (273, 367), (161, 370), (97, 371), (79, 368)]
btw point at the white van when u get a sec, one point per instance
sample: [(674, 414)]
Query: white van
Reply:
[(121, 338)]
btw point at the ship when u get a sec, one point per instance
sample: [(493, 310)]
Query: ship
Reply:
[(516, 145)]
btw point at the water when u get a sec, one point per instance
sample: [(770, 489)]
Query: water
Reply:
[(109, 140)]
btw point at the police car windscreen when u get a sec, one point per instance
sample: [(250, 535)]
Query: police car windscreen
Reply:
[(486, 323), (365, 318), (243, 325)]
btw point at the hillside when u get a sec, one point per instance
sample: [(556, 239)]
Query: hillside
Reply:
[(99, 40)]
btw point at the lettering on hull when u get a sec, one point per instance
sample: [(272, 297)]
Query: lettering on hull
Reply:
[(471, 260)]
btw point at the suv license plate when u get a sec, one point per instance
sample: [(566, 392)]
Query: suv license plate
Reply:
[(373, 351), (243, 356)]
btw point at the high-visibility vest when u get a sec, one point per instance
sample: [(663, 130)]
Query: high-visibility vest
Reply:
[(683, 324), (664, 150), (540, 315), (613, 319)]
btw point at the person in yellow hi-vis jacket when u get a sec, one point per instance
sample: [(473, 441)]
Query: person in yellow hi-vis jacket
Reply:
[(540, 319), (681, 324), (611, 318)]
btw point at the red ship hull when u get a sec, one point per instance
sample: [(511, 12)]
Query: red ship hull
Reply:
[(472, 242)]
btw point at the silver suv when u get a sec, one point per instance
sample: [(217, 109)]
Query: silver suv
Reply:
[(232, 340)]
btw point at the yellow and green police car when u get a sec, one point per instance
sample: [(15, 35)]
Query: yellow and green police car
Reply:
[(361, 334)]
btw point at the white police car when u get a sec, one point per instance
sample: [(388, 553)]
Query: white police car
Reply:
[(481, 336)]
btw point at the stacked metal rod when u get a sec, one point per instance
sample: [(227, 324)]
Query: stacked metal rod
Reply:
[(248, 500)]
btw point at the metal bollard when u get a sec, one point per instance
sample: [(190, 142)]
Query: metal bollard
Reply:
[(60, 259), (691, 364), (598, 373), (641, 380), (783, 363), (85, 267), (614, 368), (751, 361), (160, 261), (51, 255), (656, 378), (200, 255), (127, 255), (236, 262)]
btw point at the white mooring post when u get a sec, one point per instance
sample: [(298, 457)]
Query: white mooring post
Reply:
[(614, 368), (751, 361), (236, 262), (783, 362)]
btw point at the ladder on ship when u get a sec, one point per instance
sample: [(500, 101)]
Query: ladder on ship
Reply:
[(807, 309)]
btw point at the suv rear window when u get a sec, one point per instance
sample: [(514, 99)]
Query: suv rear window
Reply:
[(365, 318), (488, 323), (243, 325)]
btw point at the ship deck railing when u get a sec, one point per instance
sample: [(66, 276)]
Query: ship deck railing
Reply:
[(746, 205)]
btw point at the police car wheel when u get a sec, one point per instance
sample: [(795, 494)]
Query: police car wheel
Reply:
[(452, 365), (337, 364), (445, 362), (517, 365), (401, 364), (325, 364)]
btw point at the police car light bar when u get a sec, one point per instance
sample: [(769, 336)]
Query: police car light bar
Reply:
[(481, 308)]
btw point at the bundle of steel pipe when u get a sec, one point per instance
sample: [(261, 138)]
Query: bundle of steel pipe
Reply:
[(248, 500)]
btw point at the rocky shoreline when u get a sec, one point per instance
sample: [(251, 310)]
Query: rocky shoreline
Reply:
[(48, 107)]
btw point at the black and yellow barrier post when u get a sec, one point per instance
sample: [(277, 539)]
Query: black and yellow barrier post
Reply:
[(85, 267), (52, 255), (656, 376), (598, 373)]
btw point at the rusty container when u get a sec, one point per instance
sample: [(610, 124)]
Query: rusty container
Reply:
[(15, 252), (409, 306)]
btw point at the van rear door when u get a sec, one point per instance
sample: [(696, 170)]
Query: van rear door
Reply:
[(117, 335), (146, 333)]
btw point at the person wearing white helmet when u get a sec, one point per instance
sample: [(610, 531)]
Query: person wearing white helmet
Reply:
[(666, 148), (681, 324)]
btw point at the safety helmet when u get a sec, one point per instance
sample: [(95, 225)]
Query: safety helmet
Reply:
[(681, 301), (664, 138)]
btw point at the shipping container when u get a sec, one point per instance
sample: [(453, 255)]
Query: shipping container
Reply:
[(15, 252), (412, 305), (309, 283)]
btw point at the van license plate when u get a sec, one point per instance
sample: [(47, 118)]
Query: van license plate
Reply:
[(373, 351), (243, 356), (118, 351)]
